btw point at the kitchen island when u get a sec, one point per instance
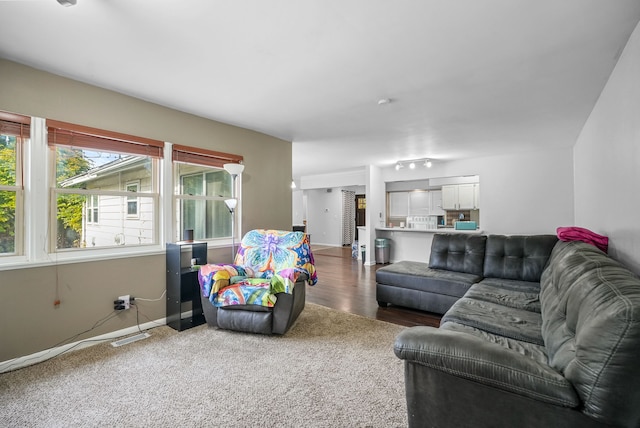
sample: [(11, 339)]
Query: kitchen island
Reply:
[(413, 244)]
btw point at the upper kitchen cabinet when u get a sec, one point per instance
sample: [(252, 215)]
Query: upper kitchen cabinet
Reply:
[(450, 197), (461, 196)]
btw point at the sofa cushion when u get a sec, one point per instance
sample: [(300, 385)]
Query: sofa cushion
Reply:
[(508, 292), (458, 252), (591, 327), (416, 299), (517, 257), (497, 319), (481, 362), (531, 350), (418, 276)]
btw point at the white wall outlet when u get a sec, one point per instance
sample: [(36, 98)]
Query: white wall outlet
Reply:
[(126, 300)]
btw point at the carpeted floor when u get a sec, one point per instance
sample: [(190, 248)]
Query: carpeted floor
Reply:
[(332, 369)]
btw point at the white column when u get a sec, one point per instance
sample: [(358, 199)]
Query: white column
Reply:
[(375, 212)]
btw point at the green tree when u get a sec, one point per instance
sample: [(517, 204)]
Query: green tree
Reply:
[(7, 198), (69, 163)]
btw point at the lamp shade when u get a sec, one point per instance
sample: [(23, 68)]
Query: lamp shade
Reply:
[(231, 203), (234, 168)]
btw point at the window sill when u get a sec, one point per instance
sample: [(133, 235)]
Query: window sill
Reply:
[(94, 255), (81, 257)]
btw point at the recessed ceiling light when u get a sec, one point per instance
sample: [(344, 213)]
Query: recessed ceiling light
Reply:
[(383, 101)]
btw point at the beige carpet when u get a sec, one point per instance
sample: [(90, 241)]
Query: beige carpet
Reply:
[(332, 369)]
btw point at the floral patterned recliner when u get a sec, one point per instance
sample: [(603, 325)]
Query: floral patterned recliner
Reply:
[(263, 291)]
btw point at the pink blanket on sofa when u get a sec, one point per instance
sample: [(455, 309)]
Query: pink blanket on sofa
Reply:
[(574, 233)]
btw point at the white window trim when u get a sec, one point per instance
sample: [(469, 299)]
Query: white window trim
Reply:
[(37, 168), (166, 204)]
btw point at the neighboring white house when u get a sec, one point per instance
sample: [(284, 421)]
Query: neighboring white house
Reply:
[(109, 220), (123, 209)]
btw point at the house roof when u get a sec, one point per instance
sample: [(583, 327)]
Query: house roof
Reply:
[(462, 78), (113, 167)]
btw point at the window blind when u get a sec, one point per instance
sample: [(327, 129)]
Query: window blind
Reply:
[(205, 157), (15, 124), (71, 135)]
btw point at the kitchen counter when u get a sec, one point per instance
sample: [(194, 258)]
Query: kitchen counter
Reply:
[(438, 230), (413, 244)]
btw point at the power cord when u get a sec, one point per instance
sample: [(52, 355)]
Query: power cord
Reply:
[(134, 301), (137, 317), (145, 316), (97, 324), (151, 300)]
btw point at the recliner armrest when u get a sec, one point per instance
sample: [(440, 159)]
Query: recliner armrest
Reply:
[(288, 307), (480, 361)]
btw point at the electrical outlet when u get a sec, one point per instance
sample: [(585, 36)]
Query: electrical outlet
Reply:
[(127, 301)]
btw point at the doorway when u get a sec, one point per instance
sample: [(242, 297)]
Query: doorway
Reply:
[(361, 210)]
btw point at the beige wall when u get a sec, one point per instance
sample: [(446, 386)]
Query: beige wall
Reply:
[(29, 321)]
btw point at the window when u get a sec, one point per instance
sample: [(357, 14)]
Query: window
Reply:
[(202, 185), (132, 201), (14, 131), (92, 209), (98, 170), (208, 217), (103, 192)]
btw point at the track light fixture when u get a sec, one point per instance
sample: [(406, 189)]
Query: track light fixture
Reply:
[(412, 163)]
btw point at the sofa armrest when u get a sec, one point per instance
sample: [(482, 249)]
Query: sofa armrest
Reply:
[(288, 307), (478, 360)]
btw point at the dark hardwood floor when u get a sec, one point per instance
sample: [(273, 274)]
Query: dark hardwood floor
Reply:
[(346, 284)]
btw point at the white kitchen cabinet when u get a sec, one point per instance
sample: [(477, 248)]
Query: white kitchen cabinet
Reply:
[(450, 197), (466, 196), (460, 196)]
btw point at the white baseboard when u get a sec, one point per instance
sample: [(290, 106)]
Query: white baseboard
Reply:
[(38, 357)]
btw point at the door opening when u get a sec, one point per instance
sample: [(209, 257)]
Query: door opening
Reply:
[(361, 210)]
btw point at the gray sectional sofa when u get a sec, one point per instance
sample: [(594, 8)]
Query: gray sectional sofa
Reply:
[(562, 351), (457, 261)]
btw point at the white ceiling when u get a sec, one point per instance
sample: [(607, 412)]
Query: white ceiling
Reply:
[(465, 77)]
